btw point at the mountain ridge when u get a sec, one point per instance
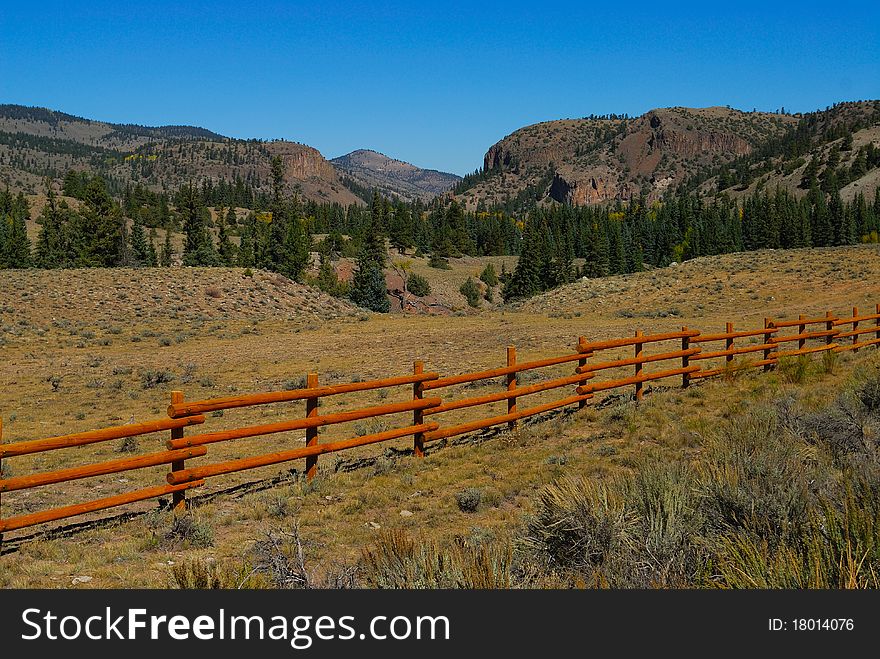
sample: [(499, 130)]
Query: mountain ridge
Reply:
[(373, 169), (618, 158)]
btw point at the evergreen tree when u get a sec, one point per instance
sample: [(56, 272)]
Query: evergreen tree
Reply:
[(821, 228), (100, 232), (328, 281), (246, 255), (139, 245), (165, 255), (368, 288), (198, 247), (526, 279), (226, 248), (17, 250), (597, 261), (53, 248), (152, 257)]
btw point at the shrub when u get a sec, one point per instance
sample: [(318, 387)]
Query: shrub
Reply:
[(471, 292), (195, 574), (151, 378), (795, 370), (418, 285), (489, 276), (468, 499), (439, 262), (190, 531), (579, 525), (754, 480), (397, 561), (128, 445)]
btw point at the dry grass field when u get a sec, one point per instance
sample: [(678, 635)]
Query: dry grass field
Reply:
[(87, 349)]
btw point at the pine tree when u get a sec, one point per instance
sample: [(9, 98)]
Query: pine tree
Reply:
[(368, 288), (99, 233), (53, 249), (526, 279), (152, 258), (226, 248), (597, 252), (821, 228), (328, 280), (246, 255), (139, 245), (295, 255), (198, 248), (17, 250), (165, 255)]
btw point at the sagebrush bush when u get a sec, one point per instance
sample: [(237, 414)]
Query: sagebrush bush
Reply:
[(153, 378), (190, 531), (397, 561), (753, 479), (468, 499)]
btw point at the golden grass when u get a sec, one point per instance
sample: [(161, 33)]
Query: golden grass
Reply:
[(102, 384)]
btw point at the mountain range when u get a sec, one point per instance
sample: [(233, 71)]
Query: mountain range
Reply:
[(588, 160)]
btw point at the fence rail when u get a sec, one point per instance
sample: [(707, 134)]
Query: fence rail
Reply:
[(691, 358)]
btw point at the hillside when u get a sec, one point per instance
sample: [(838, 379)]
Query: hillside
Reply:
[(596, 160), (36, 142), (131, 297), (80, 355), (395, 178)]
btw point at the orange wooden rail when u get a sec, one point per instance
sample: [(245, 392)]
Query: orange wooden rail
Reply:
[(199, 407), (92, 436), (856, 332), (767, 343), (309, 422), (175, 478), (22, 521), (99, 469)]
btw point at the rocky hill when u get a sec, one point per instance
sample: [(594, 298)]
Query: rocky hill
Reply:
[(36, 143), (395, 178), (596, 160)]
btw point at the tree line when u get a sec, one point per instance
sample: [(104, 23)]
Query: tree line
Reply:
[(281, 232), (625, 238)]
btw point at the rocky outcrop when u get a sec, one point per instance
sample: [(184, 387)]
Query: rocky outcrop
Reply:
[(598, 160), (303, 162)]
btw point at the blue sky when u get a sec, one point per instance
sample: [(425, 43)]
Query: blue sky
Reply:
[(432, 83)]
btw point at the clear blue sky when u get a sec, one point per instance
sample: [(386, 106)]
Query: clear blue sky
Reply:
[(432, 83)]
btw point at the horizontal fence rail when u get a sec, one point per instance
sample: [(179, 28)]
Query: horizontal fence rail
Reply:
[(693, 356)]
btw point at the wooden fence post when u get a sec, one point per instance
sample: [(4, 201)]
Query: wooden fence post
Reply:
[(728, 345), (639, 367), (418, 416), (855, 326), (311, 433), (768, 324), (801, 329), (877, 322), (685, 359), (178, 499), (829, 326), (511, 386), (582, 362)]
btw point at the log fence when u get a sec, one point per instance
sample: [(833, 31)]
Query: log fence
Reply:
[(694, 356)]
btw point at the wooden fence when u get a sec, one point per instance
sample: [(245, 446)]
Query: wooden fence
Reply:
[(729, 351)]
